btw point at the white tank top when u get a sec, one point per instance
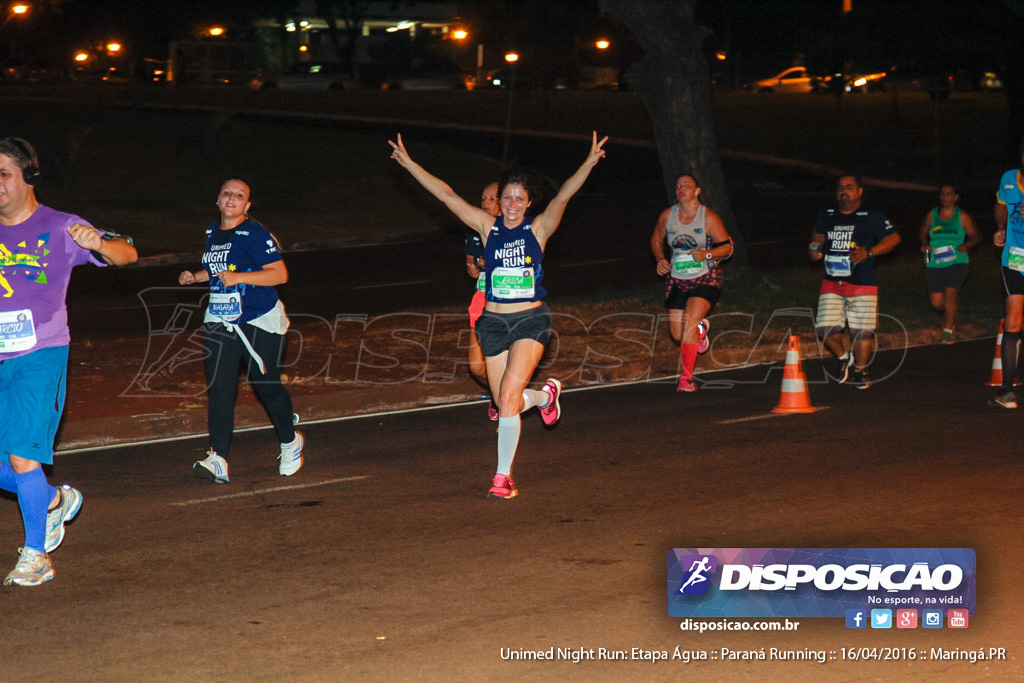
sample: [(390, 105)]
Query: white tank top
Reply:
[(684, 238)]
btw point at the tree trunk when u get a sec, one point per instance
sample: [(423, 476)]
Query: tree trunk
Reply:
[(1013, 84), (674, 82), (325, 9)]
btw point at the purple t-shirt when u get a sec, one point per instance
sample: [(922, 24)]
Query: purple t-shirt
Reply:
[(36, 258)]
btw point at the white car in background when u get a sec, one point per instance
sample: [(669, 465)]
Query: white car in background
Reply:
[(795, 79), (314, 76)]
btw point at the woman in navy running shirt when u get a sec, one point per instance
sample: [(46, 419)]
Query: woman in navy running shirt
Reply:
[(246, 322), (515, 325)]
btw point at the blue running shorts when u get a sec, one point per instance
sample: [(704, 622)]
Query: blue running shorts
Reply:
[(32, 389)]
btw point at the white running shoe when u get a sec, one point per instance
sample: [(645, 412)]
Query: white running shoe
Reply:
[(70, 504), (291, 455), (212, 467), (33, 568)]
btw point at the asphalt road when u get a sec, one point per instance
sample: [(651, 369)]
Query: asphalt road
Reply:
[(382, 559)]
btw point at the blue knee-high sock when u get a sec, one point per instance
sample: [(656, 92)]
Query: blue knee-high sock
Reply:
[(7, 480), (508, 441), (34, 496)]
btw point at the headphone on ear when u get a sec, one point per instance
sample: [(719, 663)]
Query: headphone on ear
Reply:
[(30, 173)]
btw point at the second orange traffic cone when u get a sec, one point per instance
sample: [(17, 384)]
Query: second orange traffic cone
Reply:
[(795, 397), (997, 361)]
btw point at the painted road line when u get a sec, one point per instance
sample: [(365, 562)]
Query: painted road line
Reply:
[(277, 489), (754, 418), (394, 284)]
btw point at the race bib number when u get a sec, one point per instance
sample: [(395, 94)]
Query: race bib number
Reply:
[(481, 282), (17, 331), (1016, 259), (838, 265), (943, 254), (512, 283), (226, 305), (683, 266)]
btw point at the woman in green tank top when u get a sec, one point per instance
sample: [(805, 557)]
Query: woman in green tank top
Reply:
[(947, 234)]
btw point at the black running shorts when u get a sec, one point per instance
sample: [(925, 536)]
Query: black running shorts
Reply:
[(497, 331)]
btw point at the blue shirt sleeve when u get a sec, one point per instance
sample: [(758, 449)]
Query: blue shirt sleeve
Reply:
[(261, 247)]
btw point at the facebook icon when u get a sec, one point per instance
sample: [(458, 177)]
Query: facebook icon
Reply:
[(856, 618)]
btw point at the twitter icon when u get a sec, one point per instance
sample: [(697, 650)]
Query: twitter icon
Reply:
[(881, 618)]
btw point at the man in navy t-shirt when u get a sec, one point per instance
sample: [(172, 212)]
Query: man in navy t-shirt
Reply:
[(848, 238)]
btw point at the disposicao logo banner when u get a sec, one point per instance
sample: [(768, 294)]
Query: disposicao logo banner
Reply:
[(816, 582)]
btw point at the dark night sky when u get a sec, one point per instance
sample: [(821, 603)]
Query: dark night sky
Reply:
[(769, 34)]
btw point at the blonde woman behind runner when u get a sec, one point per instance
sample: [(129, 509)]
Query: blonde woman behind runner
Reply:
[(474, 268)]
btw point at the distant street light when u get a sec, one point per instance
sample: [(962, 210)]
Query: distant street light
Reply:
[(113, 47), (602, 44), (511, 57), (216, 31), (460, 34)]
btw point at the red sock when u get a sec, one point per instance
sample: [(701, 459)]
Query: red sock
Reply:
[(688, 352)]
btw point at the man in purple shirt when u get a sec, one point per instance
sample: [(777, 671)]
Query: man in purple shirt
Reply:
[(38, 248)]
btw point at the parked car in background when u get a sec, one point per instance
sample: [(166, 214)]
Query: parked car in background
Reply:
[(314, 76), (795, 79), (504, 78), (872, 82), (527, 78), (32, 71), (434, 73), (990, 80)]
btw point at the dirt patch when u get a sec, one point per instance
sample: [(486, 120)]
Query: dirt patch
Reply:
[(155, 387)]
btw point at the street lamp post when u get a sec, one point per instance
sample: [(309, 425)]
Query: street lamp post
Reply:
[(513, 59), (16, 10), (479, 65)]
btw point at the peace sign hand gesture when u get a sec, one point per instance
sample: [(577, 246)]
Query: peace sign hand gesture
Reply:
[(399, 152), (596, 151)]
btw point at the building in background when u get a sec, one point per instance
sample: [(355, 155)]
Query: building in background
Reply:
[(384, 41)]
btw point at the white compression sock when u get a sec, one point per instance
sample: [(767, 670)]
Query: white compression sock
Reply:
[(532, 397), (508, 441)]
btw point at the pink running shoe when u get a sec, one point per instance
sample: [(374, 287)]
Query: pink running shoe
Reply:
[(503, 487), (552, 411), (492, 412), (686, 385), (702, 329)]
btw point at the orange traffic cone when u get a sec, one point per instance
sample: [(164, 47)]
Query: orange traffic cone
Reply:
[(997, 361), (795, 398)]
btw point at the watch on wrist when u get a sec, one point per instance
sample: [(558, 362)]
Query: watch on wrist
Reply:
[(707, 255)]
